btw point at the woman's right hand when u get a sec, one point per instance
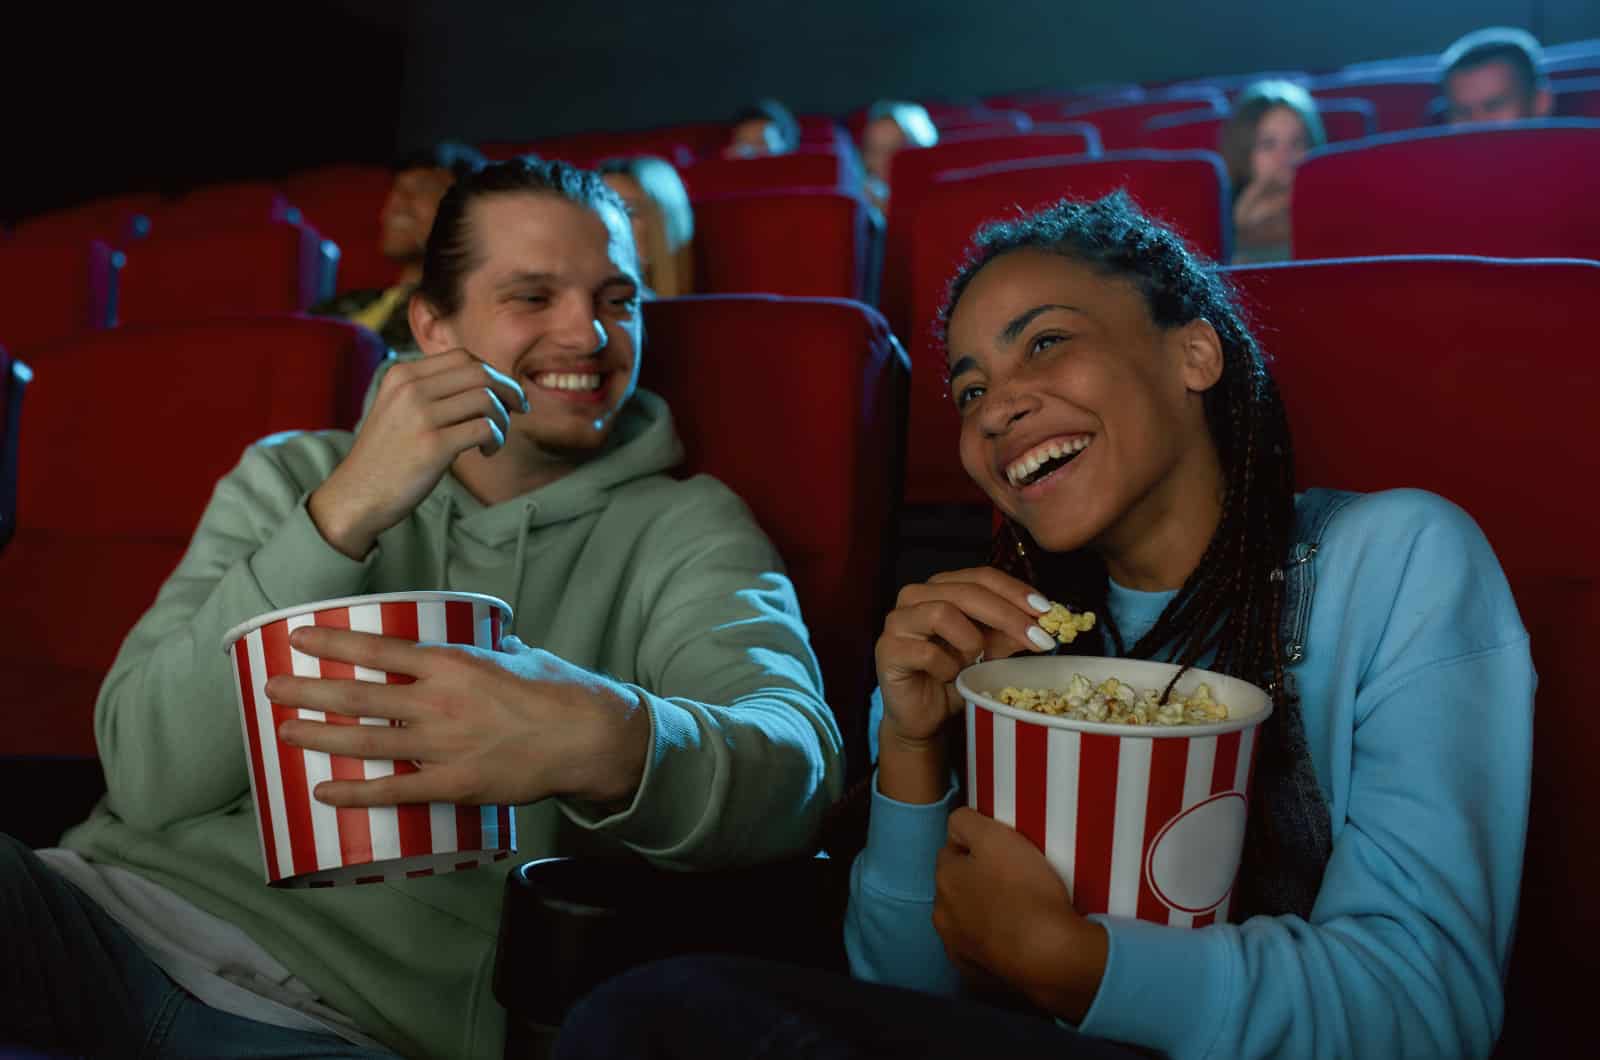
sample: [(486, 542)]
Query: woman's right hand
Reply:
[(426, 413), (939, 628), (1261, 214)]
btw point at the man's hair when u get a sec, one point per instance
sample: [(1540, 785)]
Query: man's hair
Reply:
[(1516, 48), (452, 252), (459, 158), (1239, 131), (912, 118), (779, 115)]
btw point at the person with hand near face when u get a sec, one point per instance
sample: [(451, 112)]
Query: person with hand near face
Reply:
[(1268, 132), (1121, 417), (663, 221), (420, 180), (892, 126), (1494, 75), (656, 694)]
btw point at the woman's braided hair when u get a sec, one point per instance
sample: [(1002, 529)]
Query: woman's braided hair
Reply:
[(1231, 604)]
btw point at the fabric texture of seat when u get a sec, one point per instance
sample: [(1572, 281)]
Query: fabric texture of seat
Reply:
[(809, 167), (1120, 125), (222, 206), (798, 406), (273, 267), (1187, 189), (343, 203), (1402, 100), (116, 220), (1523, 190), (1578, 98), (800, 242), (1475, 378), (127, 432), (53, 291)]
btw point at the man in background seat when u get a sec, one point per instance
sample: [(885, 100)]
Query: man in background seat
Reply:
[(420, 180), (1492, 75)]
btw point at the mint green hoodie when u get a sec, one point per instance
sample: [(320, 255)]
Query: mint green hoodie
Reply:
[(668, 586)]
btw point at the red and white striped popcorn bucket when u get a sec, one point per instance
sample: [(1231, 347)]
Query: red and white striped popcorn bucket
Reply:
[(1141, 821), (306, 843)]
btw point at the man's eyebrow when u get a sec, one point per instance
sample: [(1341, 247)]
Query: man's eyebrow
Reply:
[(619, 279), (1010, 332), (521, 277)]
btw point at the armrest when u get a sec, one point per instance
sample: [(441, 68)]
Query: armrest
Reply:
[(569, 924)]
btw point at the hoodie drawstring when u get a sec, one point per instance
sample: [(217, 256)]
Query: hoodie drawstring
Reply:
[(442, 560), (522, 553)]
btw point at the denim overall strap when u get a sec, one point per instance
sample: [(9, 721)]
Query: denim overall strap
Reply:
[(1289, 840)]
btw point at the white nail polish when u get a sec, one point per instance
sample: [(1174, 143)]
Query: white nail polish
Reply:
[(1041, 639), (1038, 603)]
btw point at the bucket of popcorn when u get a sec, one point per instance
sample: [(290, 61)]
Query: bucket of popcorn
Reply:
[(1140, 808), (306, 843)]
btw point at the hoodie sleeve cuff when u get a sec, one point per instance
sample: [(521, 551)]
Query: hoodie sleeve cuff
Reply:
[(903, 843), (1181, 974), (297, 565), (656, 810)]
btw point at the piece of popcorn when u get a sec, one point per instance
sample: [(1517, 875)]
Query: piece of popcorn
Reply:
[(1064, 624)]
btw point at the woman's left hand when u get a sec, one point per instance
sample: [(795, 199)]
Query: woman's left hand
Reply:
[(1002, 911), (506, 727)]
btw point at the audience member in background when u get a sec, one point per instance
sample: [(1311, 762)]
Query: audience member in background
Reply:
[(766, 127), (1374, 908), (658, 695), (1269, 130), (1493, 75), (892, 126), (663, 221), (420, 180)]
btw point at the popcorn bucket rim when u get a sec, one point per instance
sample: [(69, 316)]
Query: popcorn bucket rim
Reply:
[(1232, 724), (245, 628)]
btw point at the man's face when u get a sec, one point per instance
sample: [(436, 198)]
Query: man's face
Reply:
[(1492, 91), (755, 136), (553, 302), (407, 214)]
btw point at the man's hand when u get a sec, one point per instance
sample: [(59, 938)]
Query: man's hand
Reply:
[(1004, 914), (426, 413), (506, 727)]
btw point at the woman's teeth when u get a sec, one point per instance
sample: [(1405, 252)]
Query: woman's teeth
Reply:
[(1026, 468), (556, 381)]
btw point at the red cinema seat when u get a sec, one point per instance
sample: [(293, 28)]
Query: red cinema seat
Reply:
[(797, 242), (217, 206), (720, 361), (1577, 98), (1418, 372), (1342, 119), (281, 267), (343, 203), (127, 432), (1402, 100), (52, 291), (14, 379), (913, 172), (1523, 190), (115, 221), (809, 167), (1187, 189), (1120, 124)]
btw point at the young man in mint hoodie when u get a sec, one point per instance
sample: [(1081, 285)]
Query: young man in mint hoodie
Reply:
[(671, 706)]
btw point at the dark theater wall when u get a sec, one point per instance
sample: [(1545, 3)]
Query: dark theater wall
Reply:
[(143, 96)]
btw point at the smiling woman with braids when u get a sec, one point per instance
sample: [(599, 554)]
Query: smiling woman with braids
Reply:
[(1118, 412)]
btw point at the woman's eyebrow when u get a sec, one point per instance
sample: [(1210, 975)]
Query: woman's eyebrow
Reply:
[(965, 364), (1009, 333)]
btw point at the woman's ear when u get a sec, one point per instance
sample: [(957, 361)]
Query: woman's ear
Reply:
[(1202, 355), (434, 333)]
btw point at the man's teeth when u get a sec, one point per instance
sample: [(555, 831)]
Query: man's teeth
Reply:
[(555, 381), (1038, 456)]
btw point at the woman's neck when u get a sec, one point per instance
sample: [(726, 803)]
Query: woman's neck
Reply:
[(1160, 541)]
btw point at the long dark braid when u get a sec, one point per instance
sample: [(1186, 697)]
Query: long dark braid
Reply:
[(1231, 605)]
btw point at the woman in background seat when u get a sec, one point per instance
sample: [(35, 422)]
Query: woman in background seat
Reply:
[(663, 221), (1269, 130)]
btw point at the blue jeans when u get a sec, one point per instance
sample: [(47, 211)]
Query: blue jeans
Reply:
[(719, 1006), (74, 983)]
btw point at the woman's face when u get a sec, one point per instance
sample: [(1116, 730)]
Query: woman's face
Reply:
[(1081, 418), (1281, 143), (638, 213)]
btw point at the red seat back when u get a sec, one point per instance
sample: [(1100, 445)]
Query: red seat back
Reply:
[(1578, 98), (841, 377), (1523, 190), (127, 431), (795, 242), (52, 291), (1187, 189), (1421, 372), (809, 167), (1342, 119), (914, 171), (111, 220), (234, 205), (1401, 100), (1120, 124), (279, 267), (343, 202)]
